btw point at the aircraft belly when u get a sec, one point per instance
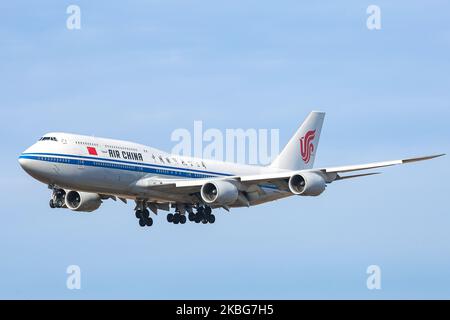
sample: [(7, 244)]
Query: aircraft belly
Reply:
[(270, 196), (91, 179), (44, 172)]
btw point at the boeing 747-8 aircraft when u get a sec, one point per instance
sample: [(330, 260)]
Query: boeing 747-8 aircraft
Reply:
[(83, 171)]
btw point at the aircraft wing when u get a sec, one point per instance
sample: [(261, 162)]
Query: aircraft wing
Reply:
[(278, 179), (377, 164), (183, 186)]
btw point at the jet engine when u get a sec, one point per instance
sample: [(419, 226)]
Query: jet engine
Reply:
[(219, 192), (82, 201), (307, 184)]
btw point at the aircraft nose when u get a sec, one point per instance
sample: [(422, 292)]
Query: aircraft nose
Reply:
[(34, 169), (24, 159), (25, 164)]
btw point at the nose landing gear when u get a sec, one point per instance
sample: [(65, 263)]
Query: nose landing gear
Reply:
[(58, 198)]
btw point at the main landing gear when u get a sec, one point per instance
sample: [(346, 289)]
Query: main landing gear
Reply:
[(176, 218), (142, 214), (182, 214), (203, 215), (144, 218)]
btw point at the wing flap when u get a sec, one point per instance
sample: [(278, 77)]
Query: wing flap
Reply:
[(357, 175)]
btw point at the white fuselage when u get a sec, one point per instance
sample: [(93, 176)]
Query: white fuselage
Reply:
[(112, 167)]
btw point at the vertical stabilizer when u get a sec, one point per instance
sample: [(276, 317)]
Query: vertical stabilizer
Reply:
[(300, 151)]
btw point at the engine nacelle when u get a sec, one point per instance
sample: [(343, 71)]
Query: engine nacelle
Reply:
[(219, 192), (307, 184), (82, 201)]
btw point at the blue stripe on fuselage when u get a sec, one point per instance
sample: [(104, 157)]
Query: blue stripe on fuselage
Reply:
[(126, 162), (107, 165), (125, 165)]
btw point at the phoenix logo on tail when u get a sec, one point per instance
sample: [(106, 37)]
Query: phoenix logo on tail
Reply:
[(306, 146)]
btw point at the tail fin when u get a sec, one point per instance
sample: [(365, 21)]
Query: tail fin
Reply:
[(301, 150)]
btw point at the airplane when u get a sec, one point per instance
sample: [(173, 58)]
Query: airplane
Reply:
[(83, 171)]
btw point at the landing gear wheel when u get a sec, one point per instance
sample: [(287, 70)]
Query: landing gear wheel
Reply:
[(138, 214), (149, 222), (208, 210), (182, 219), (52, 204), (58, 203), (146, 214), (142, 222), (176, 218), (198, 218), (191, 216), (170, 218), (211, 218), (204, 221)]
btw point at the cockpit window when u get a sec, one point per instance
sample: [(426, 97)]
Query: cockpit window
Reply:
[(48, 139)]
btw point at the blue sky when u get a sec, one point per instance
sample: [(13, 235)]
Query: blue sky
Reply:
[(138, 70)]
